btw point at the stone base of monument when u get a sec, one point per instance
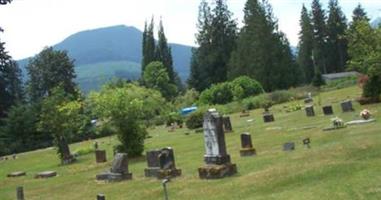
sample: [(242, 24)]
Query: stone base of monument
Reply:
[(244, 115), (247, 152), (16, 174), (46, 174), (162, 173), (113, 177), (217, 171)]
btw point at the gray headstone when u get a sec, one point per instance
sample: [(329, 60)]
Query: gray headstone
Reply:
[(346, 106), (100, 156), (289, 146), (120, 164), (227, 124), (20, 193), (310, 111), (167, 159), (246, 140), (268, 117), (215, 147), (327, 110), (153, 158), (16, 174), (46, 174), (307, 142)]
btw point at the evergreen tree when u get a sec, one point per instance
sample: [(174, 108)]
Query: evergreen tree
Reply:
[(306, 45), (216, 37), (198, 77), (164, 55), (50, 69), (148, 45), (263, 53), (320, 36), (337, 43), (359, 14), (10, 82)]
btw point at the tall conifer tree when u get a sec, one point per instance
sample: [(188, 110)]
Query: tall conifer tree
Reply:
[(148, 45), (320, 36), (306, 45), (337, 43)]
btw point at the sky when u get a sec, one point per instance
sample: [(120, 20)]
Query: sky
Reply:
[(31, 25)]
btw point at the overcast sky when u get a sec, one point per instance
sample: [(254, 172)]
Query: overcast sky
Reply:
[(31, 25)]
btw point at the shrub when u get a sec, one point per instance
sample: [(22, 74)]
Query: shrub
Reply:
[(195, 120), (174, 117), (256, 102), (84, 151), (244, 86), (281, 96), (217, 94)]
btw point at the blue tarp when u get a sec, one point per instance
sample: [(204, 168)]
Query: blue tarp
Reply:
[(188, 110)]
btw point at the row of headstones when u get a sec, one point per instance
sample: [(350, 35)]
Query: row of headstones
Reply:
[(346, 106)]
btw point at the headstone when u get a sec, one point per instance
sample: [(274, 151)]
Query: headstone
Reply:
[(46, 174), (16, 174), (100, 156), (217, 160), (161, 164), (310, 111), (246, 145), (346, 106), (307, 142), (268, 117), (289, 146), (244, 113), (118, 171), (101, 197), (327, 110), (20, 193), (227, 124)]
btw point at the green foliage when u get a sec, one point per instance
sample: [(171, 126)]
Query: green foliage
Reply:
[(48, 70), (188, 99), (256, 102), (174, 117), (84, 151), (244, 86), (195, 119), (306, 45), (156, 77), (319, 38), (216, 38), (62, 116), (217, 94), (125, 108), (263, 52), (318, 80), (148, 45)]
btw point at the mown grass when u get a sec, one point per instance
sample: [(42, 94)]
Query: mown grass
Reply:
[(341, 164)]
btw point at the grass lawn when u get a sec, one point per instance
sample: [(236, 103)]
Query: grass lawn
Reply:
[(341, 164)]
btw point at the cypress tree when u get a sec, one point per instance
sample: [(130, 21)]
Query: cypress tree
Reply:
[(164, 55), (148, 45), (337, 43), (306, 45)]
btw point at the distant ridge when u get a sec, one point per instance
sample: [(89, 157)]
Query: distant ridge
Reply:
[(116, 51)]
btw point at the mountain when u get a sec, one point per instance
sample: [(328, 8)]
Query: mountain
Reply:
[(376, 22), (115, 51)]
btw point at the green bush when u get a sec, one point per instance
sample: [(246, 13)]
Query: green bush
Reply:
[(217, 94), (174, 117), (256, 102), (195, 120), (244, 86), (281, 96), (84, 151)]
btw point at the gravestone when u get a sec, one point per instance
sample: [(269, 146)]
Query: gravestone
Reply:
[(227, 124), (20, 193), (161, 164), (268, 117), (289, 146), (118, 171), (327, 110), (101, 197), (246, 145), (217, 160), (244, 113), (310, 111), (346, 106), (307, 142), (46, 174), (16, 174), (100, 156)]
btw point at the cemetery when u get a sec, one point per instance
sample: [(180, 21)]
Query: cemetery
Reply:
[(252, 160)]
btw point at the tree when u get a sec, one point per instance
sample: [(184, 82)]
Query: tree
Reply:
[(10, 82), (61, 115), (306, 45), (337, 43), (365, 55), (359, 14), (164, 55), (156, 77), (48, 70), (263, 52), (125, 108), (216, 37), (148, 53), (319, 36)]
